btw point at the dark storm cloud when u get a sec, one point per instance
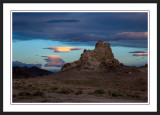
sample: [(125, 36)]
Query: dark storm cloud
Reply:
[(80, 27), (77, 36), (129, 43), (84, 37), (61, 21), (130, 36), (17, 63)]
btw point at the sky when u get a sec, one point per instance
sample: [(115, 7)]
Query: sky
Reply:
[(49, 40)]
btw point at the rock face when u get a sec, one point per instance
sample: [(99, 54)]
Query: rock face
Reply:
[(97, 59)]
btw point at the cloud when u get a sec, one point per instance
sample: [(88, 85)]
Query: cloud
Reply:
[(87, 37), (63, 21), (78, 37), (129, 43), (130, 36), (54, 61), (63, 49), (140, 54), (80, 26), (17, 63), (137, 52)]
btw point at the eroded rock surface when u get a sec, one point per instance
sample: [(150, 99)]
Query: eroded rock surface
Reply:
[(98, 58)]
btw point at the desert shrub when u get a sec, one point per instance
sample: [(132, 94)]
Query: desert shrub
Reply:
[(79, 92), (115, 94), (17, 86), (66, 90), (14, 95), (145, 98), (146, 65), (53, 89), (144, 89), (24, 94), (45, 100), (134, 95), (99, 91), (38, 93)]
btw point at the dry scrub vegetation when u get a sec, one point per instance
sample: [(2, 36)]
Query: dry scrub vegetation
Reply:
[(74, 86)]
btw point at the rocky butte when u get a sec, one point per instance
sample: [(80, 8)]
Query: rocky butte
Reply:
[(99, 59)]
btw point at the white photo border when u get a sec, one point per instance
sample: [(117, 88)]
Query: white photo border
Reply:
[(151, 9)]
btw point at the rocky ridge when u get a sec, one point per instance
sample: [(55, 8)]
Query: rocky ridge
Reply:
[(25, 72)]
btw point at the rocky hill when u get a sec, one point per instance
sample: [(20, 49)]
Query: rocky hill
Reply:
[(25, 72), (99, 59)]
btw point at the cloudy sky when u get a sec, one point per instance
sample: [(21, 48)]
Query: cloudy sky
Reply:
[(49, 40)]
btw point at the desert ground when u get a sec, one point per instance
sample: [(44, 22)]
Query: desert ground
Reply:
[(75, 86)]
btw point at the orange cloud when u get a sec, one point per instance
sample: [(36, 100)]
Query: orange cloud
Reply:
[(140, 54), (54, 61), (64, 49)]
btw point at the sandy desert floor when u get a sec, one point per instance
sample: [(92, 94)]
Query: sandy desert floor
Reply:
[(83, 87)]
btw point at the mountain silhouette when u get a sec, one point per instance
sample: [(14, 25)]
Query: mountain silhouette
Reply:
[(25, 72)]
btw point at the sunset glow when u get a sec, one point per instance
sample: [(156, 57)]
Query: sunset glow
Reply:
[(140, 54), (54, 61), (64, 49), (52, 56)]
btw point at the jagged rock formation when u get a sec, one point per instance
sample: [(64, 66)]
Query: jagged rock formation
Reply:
[(99, 59), (25, 72), (96, 59)]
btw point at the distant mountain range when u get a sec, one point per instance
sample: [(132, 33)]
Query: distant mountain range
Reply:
[(25, 72)]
